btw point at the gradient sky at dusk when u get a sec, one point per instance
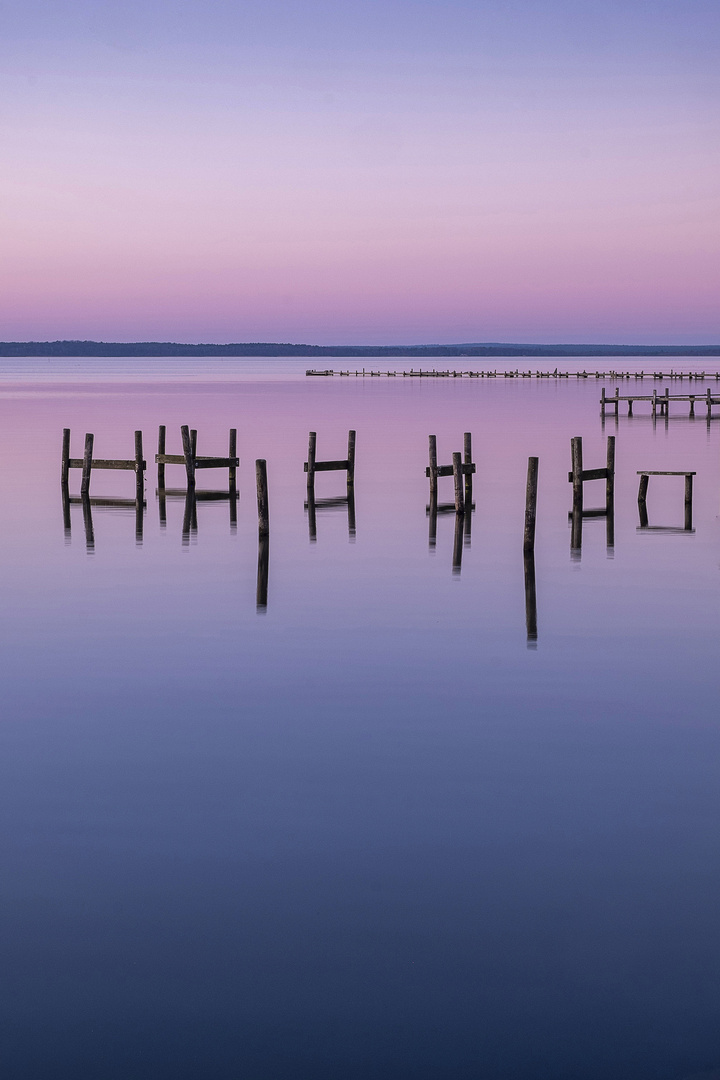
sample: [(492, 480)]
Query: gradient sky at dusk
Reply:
[(395, 171)]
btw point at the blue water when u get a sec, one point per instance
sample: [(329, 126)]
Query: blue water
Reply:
[(370, 830)]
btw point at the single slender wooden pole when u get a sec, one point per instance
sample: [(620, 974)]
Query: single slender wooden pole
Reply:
[(458, 542), (688, 501), (262, 495), (610, 480), (162, 507), (189, 455), (530, 598), (161, 450), (467, 460), (232, 453), (432, 446), (642, 489), (577, 469), (193, 442), (458, 478), (261, 592), (139, 469), (654, 404), (65, 468), (351, 460), (602, 401), (312, 444), (530, 505), (87, 465), (709, 404), (617, 401), (642, 511)]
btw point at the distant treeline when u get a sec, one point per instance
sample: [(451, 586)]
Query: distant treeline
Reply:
[(170, 348)]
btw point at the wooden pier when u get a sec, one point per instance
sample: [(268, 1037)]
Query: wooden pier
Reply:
[(691, 376), (659, 403)]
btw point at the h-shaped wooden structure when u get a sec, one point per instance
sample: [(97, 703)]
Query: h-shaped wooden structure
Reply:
[(190, 459)]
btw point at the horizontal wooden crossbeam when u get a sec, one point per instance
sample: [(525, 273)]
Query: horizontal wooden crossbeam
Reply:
[(591, 474), (447, 470), (329, 466), (108, 463), (665, 472)]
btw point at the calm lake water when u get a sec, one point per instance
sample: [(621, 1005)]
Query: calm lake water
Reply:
[(371, 830)]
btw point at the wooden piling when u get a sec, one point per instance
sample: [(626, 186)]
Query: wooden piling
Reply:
[(642, 490), (577, 469), (87, 465), (610, 479), (467, 460), (161, 451), (65, 468), (139, 468), (262, 496), (312, 443), (232, 453), (312, 515), (688, 501), (602, 402), (188, 455), (352, 530), (530, 505), (432, 448), (351, 461), (193, 442), (458, 478), (433, 516)]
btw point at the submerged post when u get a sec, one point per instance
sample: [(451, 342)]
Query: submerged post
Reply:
[(351, 460), (65, 469), (312, 442), (458, 478), (432, 447), (262, 496), (261, 589), (467, 460), (87, 465), (458, 541), (577, 469), (530, 506)]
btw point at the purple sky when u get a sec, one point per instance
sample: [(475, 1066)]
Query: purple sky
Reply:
[(377, 172)]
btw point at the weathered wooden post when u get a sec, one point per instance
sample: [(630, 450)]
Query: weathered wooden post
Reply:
[(654, 404), (188, 455), (312, 443), (139, 470), (65, 469), (193, 442), (87, 465), (189, 515), (433, 516), (351, 461), (577, 470), (161, 452), (432, 448), (610, 478), (262, 496), (642, 489), (467, 460), (617, 402), (709, 404), (602, 402), (530, 506), (139, 515), (458, 478), (232, 453)]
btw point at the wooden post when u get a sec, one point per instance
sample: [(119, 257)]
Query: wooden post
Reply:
[(530, 597), (262, 496), (467, 460), (261, 591), (458, 478), (312, 441), (667, 401), (188, 454), (139, 515), (458, 541), (351, 461), (139, 471), (617, 401), (688, 501), (188, 515), (576, 532), (87, 465), (642, 490), (65, 468), (654, 404), (162, 507), (530, 505), (577, 468), (709, 404), (161, 450), (432, 446), (602, 402), (610, 480), (232, 452)]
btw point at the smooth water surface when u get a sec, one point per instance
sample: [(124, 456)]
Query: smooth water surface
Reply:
[(369, 828)]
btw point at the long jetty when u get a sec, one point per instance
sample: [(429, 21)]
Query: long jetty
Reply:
[(369, 373)]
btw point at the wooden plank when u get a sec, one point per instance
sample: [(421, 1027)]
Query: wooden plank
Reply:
[(328, 466), (447, 470), (201, 496), (665, 472), (591, 474), (216, 462), (169, 459), (77, 500)]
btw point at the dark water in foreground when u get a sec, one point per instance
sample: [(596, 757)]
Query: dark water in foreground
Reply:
[(368, 832)]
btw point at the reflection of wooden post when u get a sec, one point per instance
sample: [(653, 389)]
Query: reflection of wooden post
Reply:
[(162, 507), (88, 522), (312, 515), (67, 522), (262, 495), (351, 461), (432, 445), (87, 465), (312, 442), (458, 540), (261, 591), (188, 455), (467, 460), (576, 531), (139, 514), (530, 505), (232, 453), (610, 479), (577, 468), (432, 531), (688, 501), (351, 513), (161, 467), (188, 515), (530, 597), (139, 471), (65, 470), (458, 478)]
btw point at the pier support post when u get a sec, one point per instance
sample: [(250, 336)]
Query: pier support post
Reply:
[(188, 455), (312, 441), (161, 452), (351, 461), (232, 453), (688, 501), (530, 506), (65, 468), (530, 600), (432, 448), (139, 471), (262, 496), (458, 478), (577, 469), (610, 479), (467, 460), (87, 465)]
